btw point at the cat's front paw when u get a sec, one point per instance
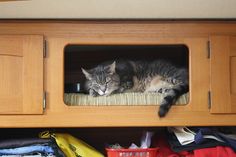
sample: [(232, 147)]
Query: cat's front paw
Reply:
[(127, 85), (163, 90), (120, 90), (92, 93)]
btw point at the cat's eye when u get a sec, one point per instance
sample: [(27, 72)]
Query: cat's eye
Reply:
[(96, 85), (108, 79)]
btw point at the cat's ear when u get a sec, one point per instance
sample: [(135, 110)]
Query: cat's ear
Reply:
[(113, 67), (86, 73)]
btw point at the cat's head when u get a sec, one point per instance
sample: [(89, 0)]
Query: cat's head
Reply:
[(103, 79)]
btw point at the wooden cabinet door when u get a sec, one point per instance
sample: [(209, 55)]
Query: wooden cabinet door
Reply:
[(21, 74), (223, 74)]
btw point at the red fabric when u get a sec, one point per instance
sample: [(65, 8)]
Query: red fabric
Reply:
[(219, 151), (164, 150)]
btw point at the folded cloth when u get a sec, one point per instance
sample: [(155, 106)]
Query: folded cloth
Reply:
[(37, 155), (186, 136), (183, 134), (177, 147), (16, 143), (187, 139), (71, 146), (13, 143), (27, 150), (165, 151), (203, 132), (230, 136)]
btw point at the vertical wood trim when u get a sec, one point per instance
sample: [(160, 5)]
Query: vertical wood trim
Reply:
[(220, 74), (233, 72), (33, 75)]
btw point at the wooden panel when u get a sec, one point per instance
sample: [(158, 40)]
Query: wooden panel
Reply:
[(220, 87), (199, 82), (11, 45), (33, 74), (233, 64), (233, 75), (10, 84), (233, 72), (21, 72), (223, 66), (116, 28), (232, 46), (199, 78)]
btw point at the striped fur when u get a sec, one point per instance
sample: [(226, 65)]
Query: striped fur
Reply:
[(139, 76)]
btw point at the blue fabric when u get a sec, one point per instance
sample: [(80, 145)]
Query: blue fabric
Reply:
[(231, 142), (207, 131), (199, 137), (27, 150)]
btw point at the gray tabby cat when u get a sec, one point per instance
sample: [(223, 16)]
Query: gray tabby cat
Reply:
[(138, 76)]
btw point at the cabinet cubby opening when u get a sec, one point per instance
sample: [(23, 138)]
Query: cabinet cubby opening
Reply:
[(89, 56)]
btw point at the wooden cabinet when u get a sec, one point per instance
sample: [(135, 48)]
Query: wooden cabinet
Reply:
[(223, 74), (21, 74), (197, 60), (25, 74)]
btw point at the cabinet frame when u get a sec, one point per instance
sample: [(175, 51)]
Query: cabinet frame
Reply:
[(199, 80), (57, 114)]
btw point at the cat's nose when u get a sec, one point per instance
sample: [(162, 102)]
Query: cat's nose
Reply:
[(103, 88)]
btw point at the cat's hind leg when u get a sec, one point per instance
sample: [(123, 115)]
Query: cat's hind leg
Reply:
[(166, 103), (171, 96)]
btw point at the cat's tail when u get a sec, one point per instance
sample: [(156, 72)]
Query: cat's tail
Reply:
[(171, 96)]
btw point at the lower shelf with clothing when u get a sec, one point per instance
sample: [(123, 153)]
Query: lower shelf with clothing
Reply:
[(119, 142), (197, 142)]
